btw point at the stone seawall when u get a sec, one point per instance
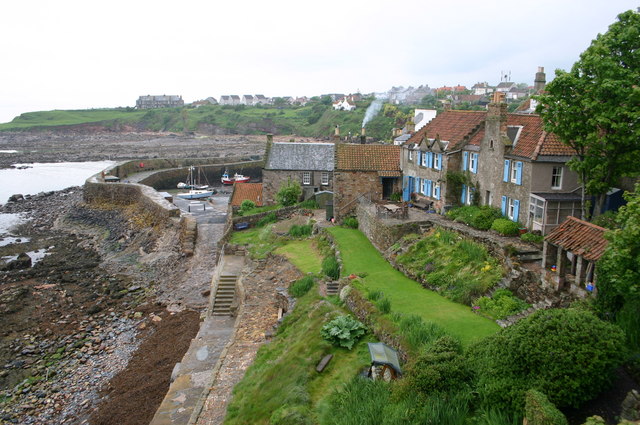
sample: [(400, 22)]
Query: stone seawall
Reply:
[(169, 178)]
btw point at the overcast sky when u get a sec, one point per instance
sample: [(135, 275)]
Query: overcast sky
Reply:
[(72, 54)]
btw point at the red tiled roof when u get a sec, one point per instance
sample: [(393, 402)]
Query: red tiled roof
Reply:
[(533, 140), (367, 157), (452, 126), (246, 191), (580, 238)]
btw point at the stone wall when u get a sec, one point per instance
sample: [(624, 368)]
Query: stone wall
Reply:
[(281, 213), (275, 179), (169, 179), (348, 185), (381, 235)]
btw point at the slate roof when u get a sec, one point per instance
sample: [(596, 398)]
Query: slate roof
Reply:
[(244, 191), (452, 126), (301, 156), (580, 238), (352, 157)]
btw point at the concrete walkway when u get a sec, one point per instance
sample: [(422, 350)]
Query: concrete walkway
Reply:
[(193, 376)]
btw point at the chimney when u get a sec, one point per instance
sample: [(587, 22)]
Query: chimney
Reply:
[(496, 122), (336, 134), (540, 80), (410, 126), (267, 150), (363, 136)]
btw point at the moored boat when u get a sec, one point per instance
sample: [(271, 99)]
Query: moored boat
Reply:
[(237, 178), (196, 189)]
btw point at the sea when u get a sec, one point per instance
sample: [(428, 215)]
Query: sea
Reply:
[(31, 179)]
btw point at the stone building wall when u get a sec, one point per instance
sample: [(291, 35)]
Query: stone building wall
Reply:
[(348, 185), (381, 235), (273, 180)]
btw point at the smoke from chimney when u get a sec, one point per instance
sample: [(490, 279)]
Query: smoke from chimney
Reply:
[(373, 109)]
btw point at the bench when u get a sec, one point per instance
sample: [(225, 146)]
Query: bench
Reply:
[(422, 204), (242, 225)]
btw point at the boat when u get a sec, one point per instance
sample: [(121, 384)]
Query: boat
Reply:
[(237, 178), (196, 189)]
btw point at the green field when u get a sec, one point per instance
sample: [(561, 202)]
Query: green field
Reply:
[(303, 254), (406, 295)]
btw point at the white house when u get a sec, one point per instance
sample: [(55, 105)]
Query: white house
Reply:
[(344, 105)]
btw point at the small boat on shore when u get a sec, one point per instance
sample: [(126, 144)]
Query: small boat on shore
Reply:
[(197, 190), (237, 178)]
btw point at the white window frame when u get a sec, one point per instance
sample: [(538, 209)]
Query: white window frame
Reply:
[(410, 154), (514, 172), (324, 179), (470, 192), (436, 161), (510, 208), (424, 159), (558, 176), (306, 178), (536, 205), (436, 187)]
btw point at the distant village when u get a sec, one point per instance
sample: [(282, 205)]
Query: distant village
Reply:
[(448, 96)]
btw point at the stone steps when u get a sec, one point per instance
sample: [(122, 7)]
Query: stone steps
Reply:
[(225, 295), (333, 288)]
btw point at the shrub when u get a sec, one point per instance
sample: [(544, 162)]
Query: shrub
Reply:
[(568, 354), (395, 197), (300, 231), (331, 268), (350, 222), (484, 218), (269, 218), (374, 295), (532, 237), (441, 369), (310, 204), (506, 227), (343, 331), (301, 287), (502, 304), (247, 205), (416, 331), (289, 193), (540, 411)]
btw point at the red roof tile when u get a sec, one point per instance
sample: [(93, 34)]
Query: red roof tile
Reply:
[(451, 126), (580, 238), (354, 157), (246, 191)]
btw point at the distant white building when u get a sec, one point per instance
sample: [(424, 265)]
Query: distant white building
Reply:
[(421, 117), (164, 101), (344, 105)]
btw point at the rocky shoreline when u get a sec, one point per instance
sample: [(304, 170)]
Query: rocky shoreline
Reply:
[(72, 322)]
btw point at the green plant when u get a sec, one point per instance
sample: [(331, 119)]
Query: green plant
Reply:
[(384, 305), (247, 205), (331, 267), (506, 227), (269, 218), (301, 287), (289, 193), (568, 354), (416, 331), (485, 217), (343, 331), (395, 197), (310, 204), (532, 237), (540, 411), (501, 304), (374, 295), (350, 222), (300, 231)]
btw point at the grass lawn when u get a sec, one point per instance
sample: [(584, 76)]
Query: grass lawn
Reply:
[(303, 254), (261, 240), (406, 295)]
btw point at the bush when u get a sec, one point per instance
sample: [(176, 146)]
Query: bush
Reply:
[(568, 354), (301, 287), (374, 295), (540, 411), (350, 222), (384, 305), (343, 331), (506, 227), (441, 369), (289, 193), (484, 218), (300, 231), (331, 268), (416, 331), (269, 218), (247, 205), (501, 305), (532, 237)]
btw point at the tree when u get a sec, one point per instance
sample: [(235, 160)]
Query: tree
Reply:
[(595, 109), (567, 354), (289, 193), (619, 271)]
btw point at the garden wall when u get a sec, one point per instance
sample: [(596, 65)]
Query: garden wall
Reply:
[(382, 235)]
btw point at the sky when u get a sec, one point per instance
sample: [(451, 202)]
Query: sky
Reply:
[(79, 54)]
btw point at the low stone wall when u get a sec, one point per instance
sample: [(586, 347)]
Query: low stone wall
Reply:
[(169, 179), (281, 213), (125, 169), (380, 234)]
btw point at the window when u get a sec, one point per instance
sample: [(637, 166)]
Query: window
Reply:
[(306, 177), (437, 161), (511, 208), (424, 159), (514, 172), (556, 178), (536, 209), (473, 163), (436, 190), (324, 179), (410, 154)]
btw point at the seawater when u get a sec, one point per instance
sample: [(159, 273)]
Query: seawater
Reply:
[(44, 177)]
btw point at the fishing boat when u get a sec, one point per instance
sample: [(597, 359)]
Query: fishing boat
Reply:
[(197, 190), (237, 178)]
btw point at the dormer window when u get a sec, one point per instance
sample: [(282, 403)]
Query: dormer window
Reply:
[(513, 132)]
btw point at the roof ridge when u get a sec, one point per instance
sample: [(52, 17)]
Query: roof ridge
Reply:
[(595, 226)]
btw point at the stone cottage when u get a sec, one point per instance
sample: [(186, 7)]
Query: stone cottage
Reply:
[(309, 163), (370, 171)]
